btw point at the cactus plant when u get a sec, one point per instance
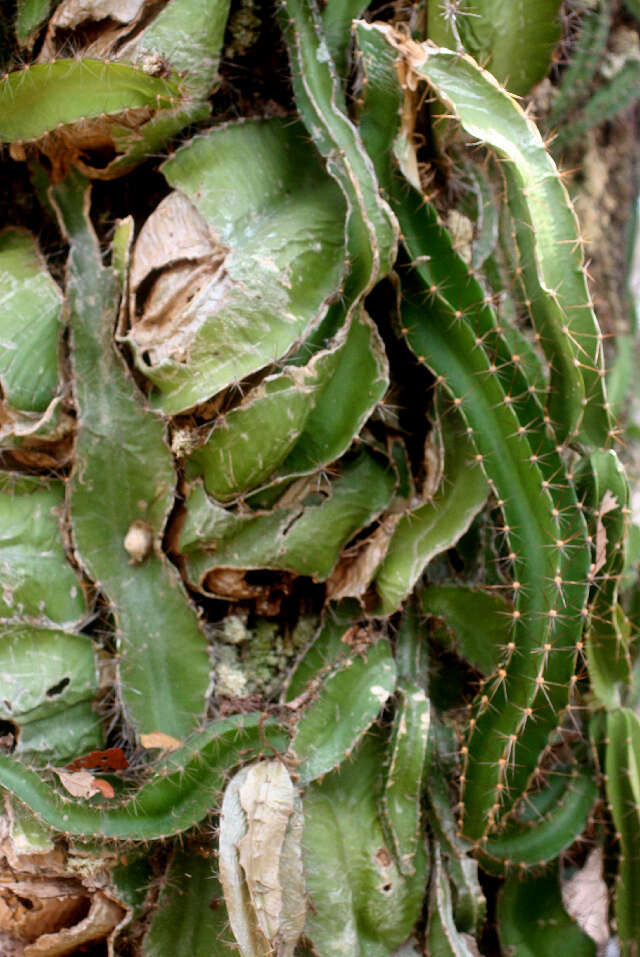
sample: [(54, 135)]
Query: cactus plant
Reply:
[(315, 553)]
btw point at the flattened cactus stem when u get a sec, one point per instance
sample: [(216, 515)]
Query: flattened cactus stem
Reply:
[(164, 683), (37, 100), (623, 790), (183, 790)]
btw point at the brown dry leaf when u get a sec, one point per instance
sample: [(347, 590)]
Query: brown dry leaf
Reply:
[(105, 788), (230, 583), (160, 740), (461, 230), (30, 907), (175, 232), (176, 257), (103, 917), (266, 797), (608, 504), (353, 574), (45, 898), (79, 783), (51, 424), (116, 19), (358, 639), (586, 898), (67, 146), (433, 463), (70, 13), (36, 439), (261, 860), (38, 453), (10, 947)]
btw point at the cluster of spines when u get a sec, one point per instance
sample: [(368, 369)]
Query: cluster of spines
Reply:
[(572, 95), (470, 321), (533, 692), (615, 95), (586, 57)]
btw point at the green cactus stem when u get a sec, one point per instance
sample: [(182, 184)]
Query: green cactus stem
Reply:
[(118, 515), (182, 39), (585, 61), (359, 900), (487, 209), (48, 682), (614, 96), (411, 651), (604, 488), (623, 792), (470, 906), (547, 236), (39, 99), (532, 921), (451, 328), (459, 346), (337, 17), (545, 617), (238, 298), (432, 528), (348, 702), (305, 535), (409, 754), (326, 649), (633, 6), (372, 230), (550, 821), (31, 14), (298, 420), (443, 937), (188, 36), (38, 584), (131, 879), (480, 622), (492, 32), (30, 332), (183, 789), (190, 919)]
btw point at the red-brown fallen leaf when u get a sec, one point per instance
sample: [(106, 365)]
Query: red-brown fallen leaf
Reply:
[(112, 759), (608, 504), (105, 787)]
